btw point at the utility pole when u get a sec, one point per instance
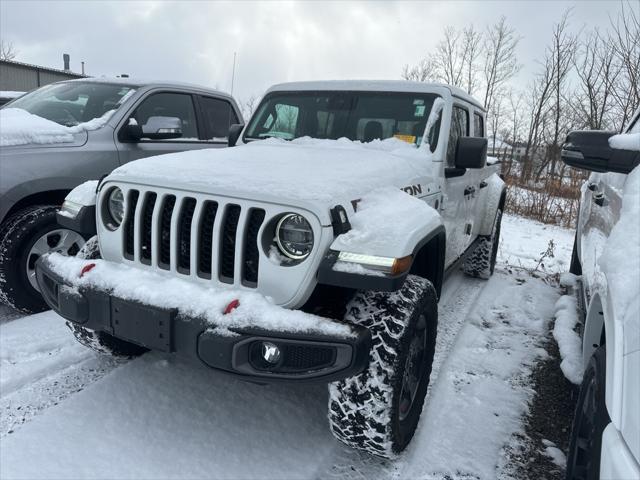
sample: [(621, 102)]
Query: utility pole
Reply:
[(233, 72)]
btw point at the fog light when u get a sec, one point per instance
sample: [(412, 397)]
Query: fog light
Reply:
[(270, 352)]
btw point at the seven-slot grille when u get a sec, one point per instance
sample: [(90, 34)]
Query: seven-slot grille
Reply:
[(205, 238)]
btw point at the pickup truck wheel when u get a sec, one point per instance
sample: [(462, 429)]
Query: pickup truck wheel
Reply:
[(482, 261), (104, 343), (378, 410), (24, 237), (589, 422)]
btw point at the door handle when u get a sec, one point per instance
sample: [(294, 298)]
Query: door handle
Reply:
[(599, 199), (483, 184), (469, 191), (592, 187)]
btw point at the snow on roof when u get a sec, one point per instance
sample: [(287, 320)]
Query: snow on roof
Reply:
[(20, 127), (376, 85)]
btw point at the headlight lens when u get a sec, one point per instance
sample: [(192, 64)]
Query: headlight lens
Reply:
[(115, 206), (294, 236)]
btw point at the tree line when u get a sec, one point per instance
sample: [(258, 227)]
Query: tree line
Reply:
[(587, 78)]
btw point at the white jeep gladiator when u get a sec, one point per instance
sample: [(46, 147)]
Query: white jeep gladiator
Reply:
[(314, 250)]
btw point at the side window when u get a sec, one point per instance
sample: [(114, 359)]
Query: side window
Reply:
[(218, 116), (478, 125), (635, 128), (459, 128), (176, 105)]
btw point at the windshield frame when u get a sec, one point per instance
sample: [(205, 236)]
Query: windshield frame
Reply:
[(276, 93)]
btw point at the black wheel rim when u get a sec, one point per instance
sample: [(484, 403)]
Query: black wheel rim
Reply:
[(413, 369), (585, 433)]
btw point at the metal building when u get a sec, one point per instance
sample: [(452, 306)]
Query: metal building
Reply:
[(22, 77)]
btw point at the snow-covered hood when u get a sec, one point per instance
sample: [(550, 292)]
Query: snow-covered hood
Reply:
[(21, 129), (303, 172)]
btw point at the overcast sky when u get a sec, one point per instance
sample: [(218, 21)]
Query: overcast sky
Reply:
[(274, 41)]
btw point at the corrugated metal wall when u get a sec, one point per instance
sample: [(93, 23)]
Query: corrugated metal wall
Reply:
[(22, 78)]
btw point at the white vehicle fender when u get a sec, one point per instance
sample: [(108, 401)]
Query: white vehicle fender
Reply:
[(496, 196)]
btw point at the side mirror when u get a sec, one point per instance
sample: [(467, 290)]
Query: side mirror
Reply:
[(162, 128), (471, 152), (590, 150), (234, 133)]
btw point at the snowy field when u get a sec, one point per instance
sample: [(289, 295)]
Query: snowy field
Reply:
[(66, 412)]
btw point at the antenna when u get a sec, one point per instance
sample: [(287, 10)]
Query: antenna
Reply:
[(233, 72)]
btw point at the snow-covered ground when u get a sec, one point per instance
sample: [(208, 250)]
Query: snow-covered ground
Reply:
[(66, 412)]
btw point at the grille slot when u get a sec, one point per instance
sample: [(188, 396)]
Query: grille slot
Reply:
[(165, 231), (147, 221), (195, 236), (251, 254), (205, 238), (184, 234), (129, 232), (228, 243)]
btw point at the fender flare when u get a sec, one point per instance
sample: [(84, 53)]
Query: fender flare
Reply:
[(327, 275), (496, 198)]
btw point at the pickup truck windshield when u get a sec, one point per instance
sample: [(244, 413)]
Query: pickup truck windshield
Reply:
[(363, 116), (72, 103)]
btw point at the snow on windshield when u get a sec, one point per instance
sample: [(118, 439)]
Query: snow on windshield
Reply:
[(20, 127)]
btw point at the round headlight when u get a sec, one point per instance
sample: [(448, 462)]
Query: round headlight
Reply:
[(294, 236), (115, 206)]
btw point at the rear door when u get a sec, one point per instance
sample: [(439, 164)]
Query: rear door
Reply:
[(216, 116)]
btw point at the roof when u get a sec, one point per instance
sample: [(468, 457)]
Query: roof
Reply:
[(139, 82), (376, 85), (40, 67)]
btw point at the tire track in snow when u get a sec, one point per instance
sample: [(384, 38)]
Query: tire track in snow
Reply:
[(21, 406)]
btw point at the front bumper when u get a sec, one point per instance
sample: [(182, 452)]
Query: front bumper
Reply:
[(304, 357)]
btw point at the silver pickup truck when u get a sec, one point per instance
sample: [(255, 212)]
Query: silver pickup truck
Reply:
[(61, 135)]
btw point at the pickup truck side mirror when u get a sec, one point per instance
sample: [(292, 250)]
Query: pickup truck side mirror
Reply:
[(234, 133), (156, 128), (590, 150), (471, 152)]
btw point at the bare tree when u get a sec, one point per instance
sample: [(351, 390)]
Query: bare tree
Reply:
[(248, 106), (597, 73), (423, 71), (7, 50), (625, 43), (500, 61), (471, 46)]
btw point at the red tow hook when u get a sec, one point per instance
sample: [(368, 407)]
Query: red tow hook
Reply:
[(233, 304), (87, 268)]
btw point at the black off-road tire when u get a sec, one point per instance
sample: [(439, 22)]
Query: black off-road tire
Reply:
[(365, 410), (18, 234), (482, 261), (104, 343), (575, 266), (589, 421)]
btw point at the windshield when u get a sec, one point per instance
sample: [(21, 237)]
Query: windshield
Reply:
[(72, 103), (363, 116)]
